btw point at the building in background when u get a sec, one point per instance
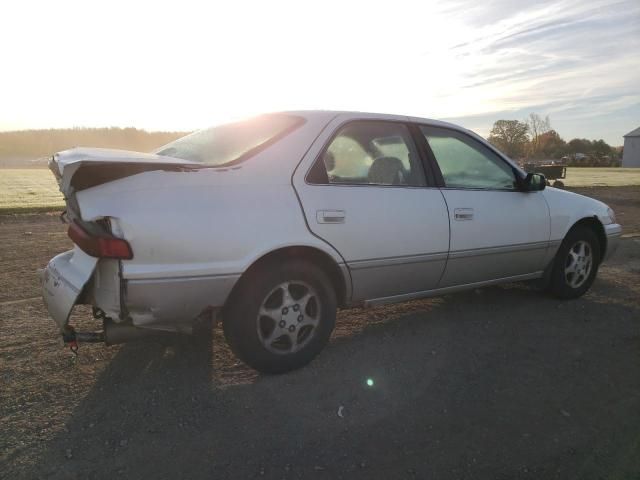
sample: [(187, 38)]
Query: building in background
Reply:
[(631, 153)]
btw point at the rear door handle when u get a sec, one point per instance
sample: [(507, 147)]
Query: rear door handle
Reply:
[(330, 216), (462, 214)]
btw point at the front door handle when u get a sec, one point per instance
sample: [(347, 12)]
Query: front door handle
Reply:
[(462, 214), (330, 216)]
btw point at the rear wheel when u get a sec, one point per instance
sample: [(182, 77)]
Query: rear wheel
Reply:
[(281, 316), (576, 263)]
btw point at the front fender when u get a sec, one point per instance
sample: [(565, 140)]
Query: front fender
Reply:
[(568, 208)]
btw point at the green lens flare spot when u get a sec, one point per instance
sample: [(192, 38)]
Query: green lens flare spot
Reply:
[(369, 382)]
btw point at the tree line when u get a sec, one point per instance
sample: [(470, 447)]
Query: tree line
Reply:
[(535, 139), (17, 147)]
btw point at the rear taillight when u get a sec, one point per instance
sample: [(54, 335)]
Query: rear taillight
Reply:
[(101, 246)]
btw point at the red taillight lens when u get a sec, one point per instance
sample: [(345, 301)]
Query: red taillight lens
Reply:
[(99, 246)]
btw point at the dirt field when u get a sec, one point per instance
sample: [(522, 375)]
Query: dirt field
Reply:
[(498, 383)]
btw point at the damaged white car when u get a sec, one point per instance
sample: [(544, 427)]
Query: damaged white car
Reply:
[(275, 222)]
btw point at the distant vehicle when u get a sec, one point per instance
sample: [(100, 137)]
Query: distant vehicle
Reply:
[(275, 222), (551, 169)]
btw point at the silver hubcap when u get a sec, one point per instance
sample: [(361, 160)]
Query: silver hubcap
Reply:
[(288, 317), (578, 264)]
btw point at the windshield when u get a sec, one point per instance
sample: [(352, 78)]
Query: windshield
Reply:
[(232, 142)]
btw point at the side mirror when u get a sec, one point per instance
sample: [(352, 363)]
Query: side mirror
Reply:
[(534, 182)]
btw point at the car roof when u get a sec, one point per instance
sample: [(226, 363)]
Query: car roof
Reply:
[(346, 114)]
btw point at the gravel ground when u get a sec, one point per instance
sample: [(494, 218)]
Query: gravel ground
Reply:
[(497, 383)]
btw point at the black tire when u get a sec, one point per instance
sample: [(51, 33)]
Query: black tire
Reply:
[(559, 284), (243, 327), (558, 184)]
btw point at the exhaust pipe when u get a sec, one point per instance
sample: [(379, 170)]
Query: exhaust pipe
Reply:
[(115, 333), (89, 337), (112, 334)]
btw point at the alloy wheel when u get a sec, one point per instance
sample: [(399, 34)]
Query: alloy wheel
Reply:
[(578, 264), (288, 317)]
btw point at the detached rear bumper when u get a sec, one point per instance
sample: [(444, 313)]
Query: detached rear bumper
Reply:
[(62, 282), (613, 232)]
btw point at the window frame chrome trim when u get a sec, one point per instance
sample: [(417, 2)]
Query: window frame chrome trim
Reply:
[(428, 181), (433, 162)]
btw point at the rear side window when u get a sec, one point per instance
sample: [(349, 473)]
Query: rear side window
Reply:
[(369, 153), (232, 143)]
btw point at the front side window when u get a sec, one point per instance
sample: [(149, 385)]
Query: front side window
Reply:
[(232, 142), (369, 153), (466, 163)]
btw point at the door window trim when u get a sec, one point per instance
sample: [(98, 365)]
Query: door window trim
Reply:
[(433, 163), (428, 177), (429, 163)]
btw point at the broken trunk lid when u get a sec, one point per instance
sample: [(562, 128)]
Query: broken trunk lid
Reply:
[(80, 168)]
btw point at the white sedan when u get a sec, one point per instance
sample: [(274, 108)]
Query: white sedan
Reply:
[(275, 222)]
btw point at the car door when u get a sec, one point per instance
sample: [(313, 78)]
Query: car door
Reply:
[(363, 190), (497, 231)]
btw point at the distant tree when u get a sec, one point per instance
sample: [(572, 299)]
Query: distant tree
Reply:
[(551, 145), (579, 145), (535, 139), (17, 146), (510, 136), (538, 126), (601, 148)]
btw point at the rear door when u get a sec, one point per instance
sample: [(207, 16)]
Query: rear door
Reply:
[(363, 190), (497, 231)]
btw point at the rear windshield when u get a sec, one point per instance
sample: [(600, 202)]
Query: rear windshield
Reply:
[(232, 142)]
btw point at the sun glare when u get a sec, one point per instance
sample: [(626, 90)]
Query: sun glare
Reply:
[(176, 71), (188, 65)]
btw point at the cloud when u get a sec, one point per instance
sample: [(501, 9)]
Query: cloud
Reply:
[(573, 60), (184, 65)]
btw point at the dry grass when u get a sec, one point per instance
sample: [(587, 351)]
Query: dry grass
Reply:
[(28, 190), (602, 177)]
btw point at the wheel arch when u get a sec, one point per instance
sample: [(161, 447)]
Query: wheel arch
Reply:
[(594, 224), (338, 276)]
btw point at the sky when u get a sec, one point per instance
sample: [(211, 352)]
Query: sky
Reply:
[(184, 65)]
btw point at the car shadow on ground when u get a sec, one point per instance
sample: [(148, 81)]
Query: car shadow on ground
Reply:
[(500, 382)]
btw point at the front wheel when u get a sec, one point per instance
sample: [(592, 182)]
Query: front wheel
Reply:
[(280, 316), (576, 264)]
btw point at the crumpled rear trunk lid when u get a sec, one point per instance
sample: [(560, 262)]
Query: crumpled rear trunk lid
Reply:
[(81, 168)]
